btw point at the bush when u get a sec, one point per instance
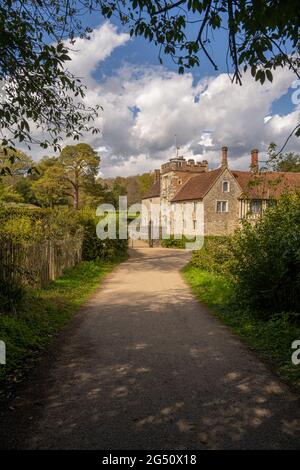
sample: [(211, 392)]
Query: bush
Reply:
[(214, 256), (92, 247), (266, 259), (173, 242), (37, 244)]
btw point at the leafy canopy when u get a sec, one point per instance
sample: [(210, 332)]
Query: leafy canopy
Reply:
[(283, 161), (37, 90), (259, 33)]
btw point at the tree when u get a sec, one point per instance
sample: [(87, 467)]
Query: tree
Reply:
[(36, 38), (146, 180), (36, 87), (8, 194), (48, 188), (257, 32), (79, 164), (13, 162), (16, 170), (288, 161)]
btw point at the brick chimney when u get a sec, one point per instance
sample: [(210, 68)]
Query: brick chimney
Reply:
[(224, 160), (254, 161), (156, 175)]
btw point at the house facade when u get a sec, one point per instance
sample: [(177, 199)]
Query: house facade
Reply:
[(223, 196)]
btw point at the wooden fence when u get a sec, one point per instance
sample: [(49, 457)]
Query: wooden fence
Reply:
[(37, 263)]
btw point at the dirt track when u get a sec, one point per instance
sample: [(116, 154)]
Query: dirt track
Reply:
[(145, 366)]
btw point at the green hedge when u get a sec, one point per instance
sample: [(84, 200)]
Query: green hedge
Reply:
[(266, 259), (26, 224), (261, 261), (93, 248), (26, 230), (215, 255)]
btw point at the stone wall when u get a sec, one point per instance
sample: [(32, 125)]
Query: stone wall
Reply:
[(222, 223)]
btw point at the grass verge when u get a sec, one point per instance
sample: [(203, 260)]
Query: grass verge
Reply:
[(44, 313), (271, 339)]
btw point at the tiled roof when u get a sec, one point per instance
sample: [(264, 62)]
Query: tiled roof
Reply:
[(266, 185), (197, 186), (154, 191)]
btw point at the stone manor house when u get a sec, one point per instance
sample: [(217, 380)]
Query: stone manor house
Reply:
[(227, 196)]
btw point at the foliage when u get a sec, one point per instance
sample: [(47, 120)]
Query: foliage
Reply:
[(37, 88), (9, 194), (27, 227), (13, 162), (24, 225), (287, 161), (50, 182), (37, 38), (79, 165), (134, 187), (266, 264), (44, 312), (48, 188), (214, 256), (93, 248), (270, 338), (257, 32), (261, 261), (173, 242)]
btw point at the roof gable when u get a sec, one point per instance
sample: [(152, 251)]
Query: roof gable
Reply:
[(197, 186)]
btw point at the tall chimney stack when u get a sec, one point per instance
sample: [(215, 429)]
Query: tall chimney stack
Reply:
[(224, 160), (254, 161)]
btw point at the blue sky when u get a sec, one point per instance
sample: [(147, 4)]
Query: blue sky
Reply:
[(146, 104)]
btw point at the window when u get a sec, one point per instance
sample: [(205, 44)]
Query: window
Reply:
[(255, 206), (222, 206), (225, 186), (195, 206)]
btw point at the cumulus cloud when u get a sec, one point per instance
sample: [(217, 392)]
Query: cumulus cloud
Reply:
[(86, 55), (144, 107), (166, 104)]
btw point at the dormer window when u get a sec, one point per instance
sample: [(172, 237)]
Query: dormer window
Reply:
[(225, 186)]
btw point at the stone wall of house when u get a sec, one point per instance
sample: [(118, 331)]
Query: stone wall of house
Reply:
[(146, 213), (171, 182), (222, 223)]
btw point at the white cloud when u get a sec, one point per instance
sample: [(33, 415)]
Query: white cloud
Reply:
[(144, 107), (225, 115), (86, 55)]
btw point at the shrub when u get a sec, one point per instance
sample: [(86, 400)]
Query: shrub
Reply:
[(214, 256), (173, 242), (266, 259), (92, 247), (37, 244)]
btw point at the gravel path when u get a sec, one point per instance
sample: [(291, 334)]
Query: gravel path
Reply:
[(145, 366)]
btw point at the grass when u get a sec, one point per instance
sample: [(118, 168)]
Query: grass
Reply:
[(44, 313), (271, 339)]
